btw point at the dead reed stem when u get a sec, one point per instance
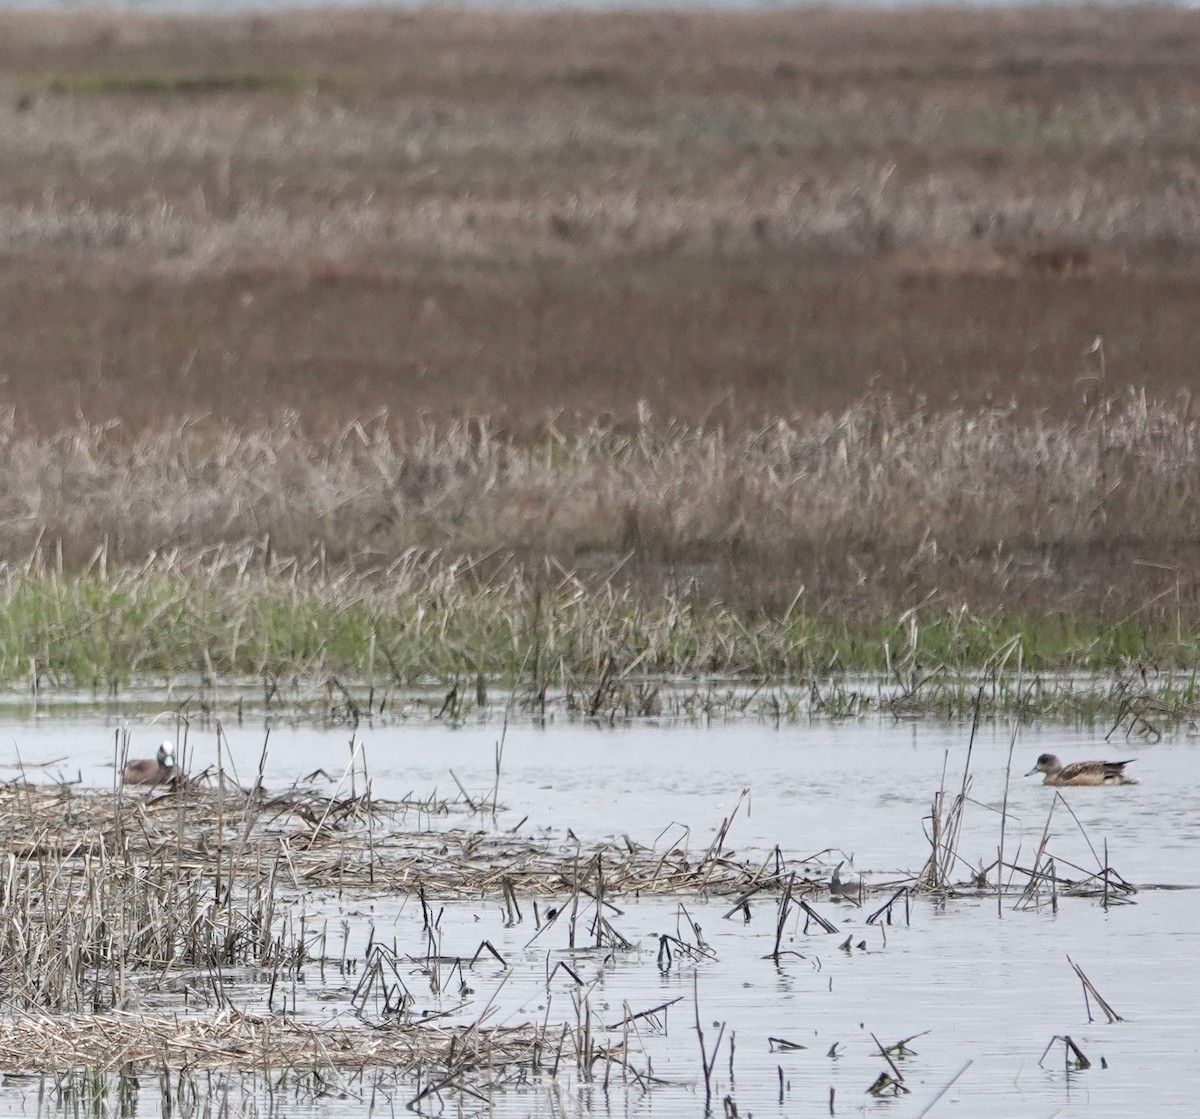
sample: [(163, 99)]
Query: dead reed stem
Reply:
[(1012, 742), (1089, 988)]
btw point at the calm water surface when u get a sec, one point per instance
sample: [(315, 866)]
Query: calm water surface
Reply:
[(988, 989)]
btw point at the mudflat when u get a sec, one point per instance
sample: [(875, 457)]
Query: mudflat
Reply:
[(532, 216)]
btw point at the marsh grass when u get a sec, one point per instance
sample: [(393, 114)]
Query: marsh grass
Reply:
[(874, 511), (427, 639), (597, 569)]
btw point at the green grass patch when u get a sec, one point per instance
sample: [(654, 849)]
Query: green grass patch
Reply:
[(600, 650)]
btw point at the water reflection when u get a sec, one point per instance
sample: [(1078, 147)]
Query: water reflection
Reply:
[(128, 1094)]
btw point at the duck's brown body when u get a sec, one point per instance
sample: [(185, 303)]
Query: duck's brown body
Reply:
[(147, 772), (1081, 773)]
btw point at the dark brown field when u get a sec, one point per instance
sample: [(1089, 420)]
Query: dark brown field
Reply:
[(445, 214)]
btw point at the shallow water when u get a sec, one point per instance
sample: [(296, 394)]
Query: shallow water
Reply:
[(860, 787), (989, 989)]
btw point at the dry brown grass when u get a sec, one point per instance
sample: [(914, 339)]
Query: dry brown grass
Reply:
[(460, 214), (863, 514), (157, 857), (487, 1057)]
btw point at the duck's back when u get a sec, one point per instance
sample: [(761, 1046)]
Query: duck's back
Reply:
[(1092, 773)]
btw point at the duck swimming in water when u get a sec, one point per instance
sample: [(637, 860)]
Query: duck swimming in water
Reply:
[(156, 772), (1081, 773)]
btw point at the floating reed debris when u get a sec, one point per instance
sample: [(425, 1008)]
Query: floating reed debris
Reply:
[(37, 1042), (885, 1083), (655, 1016), (811, 915), (302, 839), (901, 1047), (100, 889), (885, 910), (895, 1080)]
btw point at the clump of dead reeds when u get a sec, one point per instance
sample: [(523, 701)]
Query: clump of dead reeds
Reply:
[(303, 840), (101, 889), (134, 1042)]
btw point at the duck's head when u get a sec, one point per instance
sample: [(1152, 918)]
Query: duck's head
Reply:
[(1046, 763)]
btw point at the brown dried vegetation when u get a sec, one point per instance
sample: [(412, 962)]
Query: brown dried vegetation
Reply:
[(858, 516), (455, 214)]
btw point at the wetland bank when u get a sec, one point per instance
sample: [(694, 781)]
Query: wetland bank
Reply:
[(606, 505)]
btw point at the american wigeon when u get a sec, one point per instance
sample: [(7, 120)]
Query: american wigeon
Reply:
[(1081, 773), (147, 772)]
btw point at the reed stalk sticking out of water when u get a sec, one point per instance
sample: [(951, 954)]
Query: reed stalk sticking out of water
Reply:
[(946, 823), (1075, 1059), (708, 1060), (1089, 989), (1012, 742)]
